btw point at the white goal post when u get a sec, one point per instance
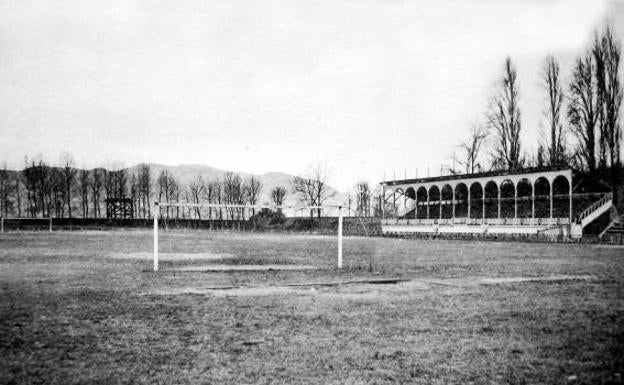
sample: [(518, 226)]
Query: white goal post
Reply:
[(159, 205)]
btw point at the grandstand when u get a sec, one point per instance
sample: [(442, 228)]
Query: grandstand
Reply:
[(527, 201)]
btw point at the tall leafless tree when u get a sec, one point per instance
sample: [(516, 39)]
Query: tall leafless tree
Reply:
[(611, 91), (69, 177), (362, 198), (97, 183), (252, 189), (215, 194), (5, 191), (145, 189), (167, 189), (17, 179), (197, 191), (233, 192), (504, 119), (84, 184), (582, 109), (555, 142)]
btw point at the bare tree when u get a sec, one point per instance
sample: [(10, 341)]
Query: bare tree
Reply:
[(252, 188), (5, 190), (18, 195), (215, 194), (57, 187), (30, 184), (472, 148), (278, 193), (504, 118), (84, 183), (312, 187), (69, 177), (97, 183), (135, 196), (611, 92), (109, 183), (233, 191), (145, 189), (167, 188), (362, 198), (555, 141), (582, 110), (197, 191)]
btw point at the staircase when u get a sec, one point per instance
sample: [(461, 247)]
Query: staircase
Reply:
[(595, 210), (614, 230), (404, 208)]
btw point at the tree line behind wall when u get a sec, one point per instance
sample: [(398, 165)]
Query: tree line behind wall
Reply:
[(43, 190)]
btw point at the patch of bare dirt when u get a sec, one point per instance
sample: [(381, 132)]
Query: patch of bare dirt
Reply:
[(268, 267), (503, 280), (175, 256)]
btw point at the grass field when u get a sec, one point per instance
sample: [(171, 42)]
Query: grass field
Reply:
[(86, 308)]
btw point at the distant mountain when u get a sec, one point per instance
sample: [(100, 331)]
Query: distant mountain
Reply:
[(187, 172)]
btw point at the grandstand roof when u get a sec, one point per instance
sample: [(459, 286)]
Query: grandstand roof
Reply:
[(528, 170)]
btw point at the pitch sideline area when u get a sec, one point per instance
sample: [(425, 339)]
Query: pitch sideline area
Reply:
[(87, 306)]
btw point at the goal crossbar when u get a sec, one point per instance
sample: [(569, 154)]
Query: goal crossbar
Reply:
[(158, 205), (240, 206)]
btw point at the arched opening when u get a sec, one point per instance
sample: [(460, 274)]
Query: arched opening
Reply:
[(447, 202), (561, 197), (542, 198), (410, 194), (461, 201), (434, 202), (507, 203), (491, 199), (421, 199), (476, 200), (525, 201)]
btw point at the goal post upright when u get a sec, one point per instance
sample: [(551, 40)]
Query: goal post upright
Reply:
[(156, 211), (340, 237)]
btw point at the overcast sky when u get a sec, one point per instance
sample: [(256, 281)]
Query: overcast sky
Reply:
[(367, 86)]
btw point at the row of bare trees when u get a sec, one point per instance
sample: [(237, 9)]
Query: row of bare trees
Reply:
[(43, 190), (230, 189), (63, 190), (589, 109)]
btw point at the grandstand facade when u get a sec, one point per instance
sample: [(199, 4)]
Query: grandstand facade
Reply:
[(528, 201)]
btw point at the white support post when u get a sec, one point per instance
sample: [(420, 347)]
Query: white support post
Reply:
[(551, 201), (570, 202), (440, 202), (515, 203), (483, 206), (339, 237), (156, 211)]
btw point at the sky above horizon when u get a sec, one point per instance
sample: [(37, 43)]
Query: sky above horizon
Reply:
[(368, 87)]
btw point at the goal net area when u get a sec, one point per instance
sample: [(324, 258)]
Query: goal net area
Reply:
[(184, 233)]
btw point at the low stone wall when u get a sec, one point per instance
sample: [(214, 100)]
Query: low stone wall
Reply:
[(323, 225)]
